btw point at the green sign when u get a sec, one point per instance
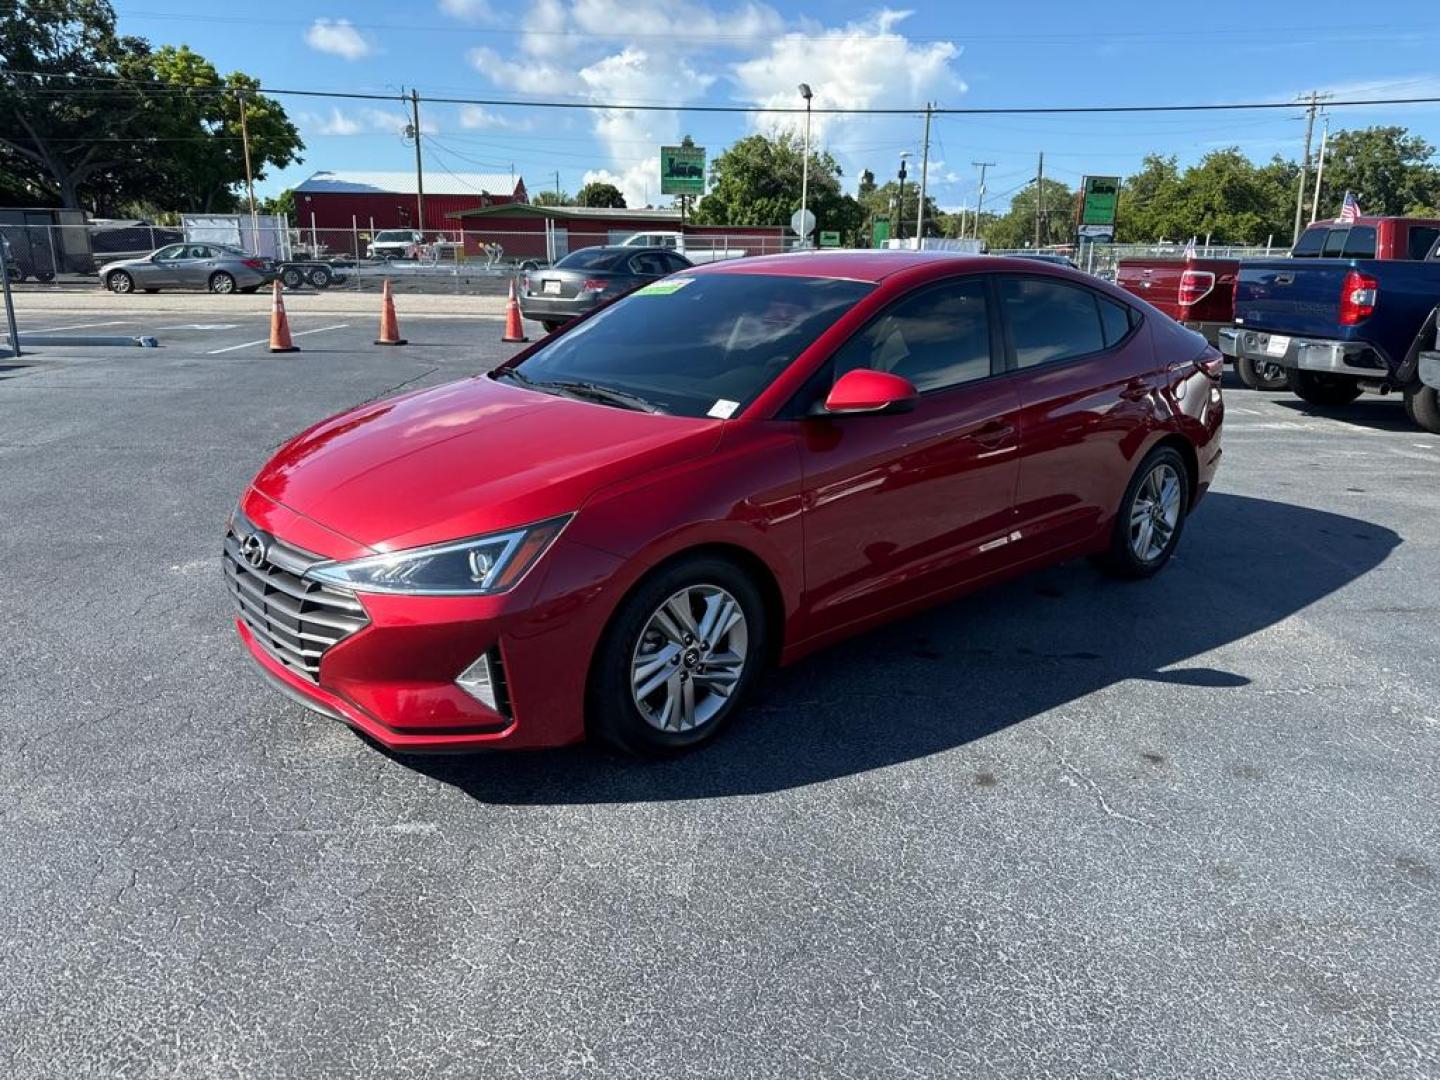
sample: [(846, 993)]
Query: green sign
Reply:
[(1098, 195), (829, 239), (879, 231), (682, 170)]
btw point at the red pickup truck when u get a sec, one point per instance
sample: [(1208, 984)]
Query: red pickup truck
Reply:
[(1200, 293)]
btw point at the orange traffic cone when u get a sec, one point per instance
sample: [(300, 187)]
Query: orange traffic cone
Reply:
[(280, 340), (389, 326), (514, 327)]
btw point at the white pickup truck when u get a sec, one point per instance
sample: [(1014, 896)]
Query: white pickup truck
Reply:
[(700, 250)]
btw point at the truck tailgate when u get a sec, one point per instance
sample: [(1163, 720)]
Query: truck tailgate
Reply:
[(1291, 296)]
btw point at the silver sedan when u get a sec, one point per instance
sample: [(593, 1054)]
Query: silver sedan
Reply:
[(214, 267)]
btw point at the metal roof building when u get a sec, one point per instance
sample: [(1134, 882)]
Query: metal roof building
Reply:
[(367, 200)]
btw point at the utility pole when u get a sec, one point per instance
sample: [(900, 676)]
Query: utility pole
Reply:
[(419, 167), (1039, 198), (1320, 172), (249, 179), (557, 184), (924, 179), (1315, 98), (980, 198), (900, 207)]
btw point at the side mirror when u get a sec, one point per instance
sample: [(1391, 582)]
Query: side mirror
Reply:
[(866, 391)]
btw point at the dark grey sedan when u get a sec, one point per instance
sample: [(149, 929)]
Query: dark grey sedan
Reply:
[(587, 278), (215, 267)]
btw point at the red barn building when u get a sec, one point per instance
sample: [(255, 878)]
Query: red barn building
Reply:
[(386, 200)]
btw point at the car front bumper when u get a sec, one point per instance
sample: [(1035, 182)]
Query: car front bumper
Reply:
[(1303, 354), (395, 678)]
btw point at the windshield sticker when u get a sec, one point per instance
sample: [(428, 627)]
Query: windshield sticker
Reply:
[(664, 288), (723, 409)]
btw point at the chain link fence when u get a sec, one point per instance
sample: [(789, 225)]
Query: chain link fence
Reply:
[(439, 260)]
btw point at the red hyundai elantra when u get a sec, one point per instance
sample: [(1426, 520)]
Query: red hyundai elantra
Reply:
[(614, 533)]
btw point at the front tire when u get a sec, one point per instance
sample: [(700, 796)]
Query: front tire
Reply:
[(1151, 517), (1260, 376), (1422, 403), (221, 283), (292, 278), (680, 655), (120, 283), (1322, 388)]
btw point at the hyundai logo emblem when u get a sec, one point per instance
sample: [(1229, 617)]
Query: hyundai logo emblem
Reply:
[(252, 550)]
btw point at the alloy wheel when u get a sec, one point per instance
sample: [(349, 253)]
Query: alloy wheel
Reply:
[(689, 659), (1155, 512)]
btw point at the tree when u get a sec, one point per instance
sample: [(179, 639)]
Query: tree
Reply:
[(552, 198), (1016, 227), (883, 201), (757, 182), (282, 205), (1224, 196), (1388, 170), (105, 120), (600, 194)]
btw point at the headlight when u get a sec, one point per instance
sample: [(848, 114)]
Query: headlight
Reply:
[(475, 567)]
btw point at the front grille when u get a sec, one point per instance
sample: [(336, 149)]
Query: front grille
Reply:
[(295, 620)]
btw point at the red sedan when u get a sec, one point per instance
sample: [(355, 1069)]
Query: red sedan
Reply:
[(614, 533)]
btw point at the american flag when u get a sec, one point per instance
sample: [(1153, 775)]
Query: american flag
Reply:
[(1190, 249), (1349, 209)]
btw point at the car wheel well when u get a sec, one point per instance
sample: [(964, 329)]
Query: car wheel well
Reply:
[(753, 566), (1186, 451)]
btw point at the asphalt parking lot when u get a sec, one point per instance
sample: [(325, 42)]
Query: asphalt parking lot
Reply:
[(1067, 827)]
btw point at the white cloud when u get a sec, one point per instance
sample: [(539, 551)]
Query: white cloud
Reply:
[(367, 121), (861, 65), (478, 118), (469, 10), (545, 33), (525, 76), (338, 38), (677, 19)]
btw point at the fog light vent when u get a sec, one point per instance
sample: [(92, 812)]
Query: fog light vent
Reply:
[(484, 680)]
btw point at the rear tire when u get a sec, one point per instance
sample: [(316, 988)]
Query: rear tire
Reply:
[(1260, 376), (1322, 388), (709, 678), (292, 278), (551, 325), (320, 277), (221, 283), (1151, 517), (1422, 403)]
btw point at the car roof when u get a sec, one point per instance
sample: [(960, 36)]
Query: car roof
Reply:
[(873, 266)]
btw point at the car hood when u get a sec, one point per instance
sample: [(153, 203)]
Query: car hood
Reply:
[(468, 458)]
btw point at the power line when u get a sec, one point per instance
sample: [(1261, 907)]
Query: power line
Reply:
[(918, 110)]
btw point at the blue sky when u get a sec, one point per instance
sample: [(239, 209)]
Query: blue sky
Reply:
[(722, 52)]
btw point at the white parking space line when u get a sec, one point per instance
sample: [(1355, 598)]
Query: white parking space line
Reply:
[(266, 340), (200, 326), (77, 326)]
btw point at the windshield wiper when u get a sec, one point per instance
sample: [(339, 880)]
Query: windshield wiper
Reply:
[(512, 373), (605, 394)]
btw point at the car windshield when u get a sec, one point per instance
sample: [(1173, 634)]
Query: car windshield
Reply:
[(699, 345), (592, 259), (385, 237)]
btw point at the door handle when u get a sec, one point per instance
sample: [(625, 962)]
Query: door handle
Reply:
[(1135, 390), (993, 434)]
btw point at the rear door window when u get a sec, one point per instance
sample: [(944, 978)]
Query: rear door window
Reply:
[(1050, 320), (1360, 244), (1334, 243), (648, 264), (1310, 243), (1422, 238), (1114, 319)]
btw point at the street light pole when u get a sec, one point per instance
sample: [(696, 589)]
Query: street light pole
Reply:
[(805, 167)]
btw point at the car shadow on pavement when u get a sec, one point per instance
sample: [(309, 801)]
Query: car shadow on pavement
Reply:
[(1378, 414), (972, 667)]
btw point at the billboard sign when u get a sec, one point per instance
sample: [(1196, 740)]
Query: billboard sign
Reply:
[(829, 238), (682, 170), (1098, 195)]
